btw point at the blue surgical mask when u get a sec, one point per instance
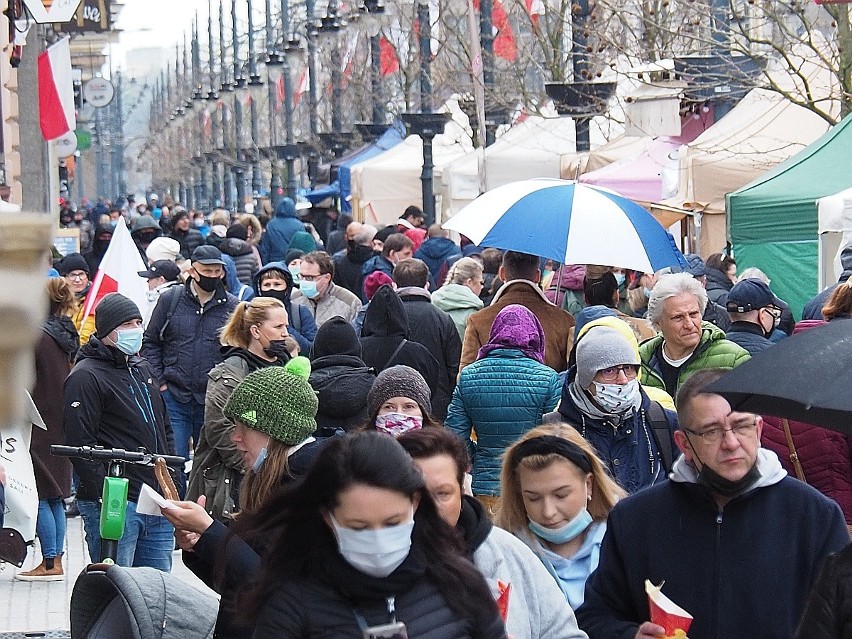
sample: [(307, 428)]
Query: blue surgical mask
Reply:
[(619, 278), (309, 289), (646, 291), (567, 532), (258, 463), (129, 340)]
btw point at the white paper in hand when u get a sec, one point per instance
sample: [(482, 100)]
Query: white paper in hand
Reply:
[(151, 502)]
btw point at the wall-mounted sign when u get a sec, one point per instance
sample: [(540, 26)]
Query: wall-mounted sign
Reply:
[(98, 92), (47, 11), (93, 16)]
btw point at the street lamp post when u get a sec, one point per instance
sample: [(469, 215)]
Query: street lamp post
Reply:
[(225, 87), (291, 50), (273, 60), (425, 46), (254, 84), (427, 126), (313, 96)]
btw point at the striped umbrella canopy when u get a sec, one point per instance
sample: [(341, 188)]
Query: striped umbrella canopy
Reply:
[(569, 222)]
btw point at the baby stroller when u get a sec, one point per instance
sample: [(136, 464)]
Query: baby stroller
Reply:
[(139, 603)]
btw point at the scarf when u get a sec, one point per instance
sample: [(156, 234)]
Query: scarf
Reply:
[(517, 328)]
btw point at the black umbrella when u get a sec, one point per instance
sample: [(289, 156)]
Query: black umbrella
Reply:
[(806, 377)]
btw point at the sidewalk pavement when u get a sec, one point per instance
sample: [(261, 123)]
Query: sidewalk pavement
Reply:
[(45, 605)]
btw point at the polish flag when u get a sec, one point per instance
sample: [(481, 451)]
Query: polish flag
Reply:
[(388, 58), (119, 272), (56, 91), (301, 86)]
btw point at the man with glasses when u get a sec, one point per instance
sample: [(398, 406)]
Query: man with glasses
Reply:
[(319, 294), (735, 541), (603, 399), (755, 313)]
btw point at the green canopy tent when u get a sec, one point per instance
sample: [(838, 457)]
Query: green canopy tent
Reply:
[(772, 222)]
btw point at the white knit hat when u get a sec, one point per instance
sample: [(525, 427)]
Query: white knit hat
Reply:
[(163, 248)]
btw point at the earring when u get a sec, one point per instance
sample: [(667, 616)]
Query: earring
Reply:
[(589, 497)]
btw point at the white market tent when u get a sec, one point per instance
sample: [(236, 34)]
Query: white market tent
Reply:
[(763, 129), (383, 186), (532, 148), (835, 233)]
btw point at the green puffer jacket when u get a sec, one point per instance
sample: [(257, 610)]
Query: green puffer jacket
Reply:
[(713, 351)]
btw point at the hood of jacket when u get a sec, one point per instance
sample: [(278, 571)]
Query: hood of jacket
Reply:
[(770, 468), (359, 254), (235, 247), (456, 297), (274, 266), (439, 248), (62, 330), (341, 383), (286, 208), (569, 277), (253, 362), (474, 525), (717, 279), (385, 315), (144, 222)]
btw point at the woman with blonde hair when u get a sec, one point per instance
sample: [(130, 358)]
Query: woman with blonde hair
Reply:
[(254, 337), (555, 495), (459, 296)]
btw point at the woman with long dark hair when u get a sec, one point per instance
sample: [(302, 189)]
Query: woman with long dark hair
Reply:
[(359, 544)]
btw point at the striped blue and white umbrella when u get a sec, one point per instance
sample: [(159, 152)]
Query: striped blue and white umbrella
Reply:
[(568, 222)]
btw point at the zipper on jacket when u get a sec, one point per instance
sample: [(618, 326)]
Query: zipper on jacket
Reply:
[(392, 608), (715, 601)]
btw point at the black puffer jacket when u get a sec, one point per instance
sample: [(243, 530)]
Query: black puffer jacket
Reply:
[(244, 258), (385, 330), (189, 240), (323, 605), (348, 269), (718, 285), (341, 383)]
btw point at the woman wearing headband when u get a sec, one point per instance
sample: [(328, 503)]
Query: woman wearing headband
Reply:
[(555, 496)]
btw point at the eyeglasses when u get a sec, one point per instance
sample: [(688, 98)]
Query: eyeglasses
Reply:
[(310, 278), (742, 426), (611, 374), (77, 276), (774, 311)]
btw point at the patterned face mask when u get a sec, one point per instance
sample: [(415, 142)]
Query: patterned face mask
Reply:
[(395, 424)]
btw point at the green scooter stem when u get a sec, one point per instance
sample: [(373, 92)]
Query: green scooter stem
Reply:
[(113, 512)]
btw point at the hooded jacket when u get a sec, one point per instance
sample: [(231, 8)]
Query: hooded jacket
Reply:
[(113, 400), (718, 286), (741, 570), (306, 330), (537, 607), (349, 266), (385, 330), (459, 302), (627, 446), (436, 331), (145, 223), (189, 346), (566, 288), (713, 351), (436, 252), (280, 231), (98, 249), (244, 260)]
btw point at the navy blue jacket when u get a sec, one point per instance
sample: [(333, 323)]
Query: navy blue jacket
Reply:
[(435, 252), (190, 344), (741, 571), (813, 309), (279, 232), (622, 447), (748, 335)]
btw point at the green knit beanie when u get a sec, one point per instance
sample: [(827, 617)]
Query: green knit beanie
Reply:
[(277, 401)]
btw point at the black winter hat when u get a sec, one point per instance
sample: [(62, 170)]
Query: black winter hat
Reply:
[(385, 233), (336, 337), (72, 262), (112, 311), (237, 231)]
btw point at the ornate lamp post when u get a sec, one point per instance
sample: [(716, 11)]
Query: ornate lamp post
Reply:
[(427, 126)]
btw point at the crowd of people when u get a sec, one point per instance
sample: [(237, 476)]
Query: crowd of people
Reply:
[(390, 432)]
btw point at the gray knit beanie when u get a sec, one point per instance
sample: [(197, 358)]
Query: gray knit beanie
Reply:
[(112, 311), (399, 381), (599, 348)]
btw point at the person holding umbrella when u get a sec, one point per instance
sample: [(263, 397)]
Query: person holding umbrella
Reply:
[(737, 541)]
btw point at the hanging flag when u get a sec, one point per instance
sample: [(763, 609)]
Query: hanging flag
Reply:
[(56, 91), (504, 41), (388, 59), (119, 272), (301, 87), (347, 63), (279, 93), (535, 8)]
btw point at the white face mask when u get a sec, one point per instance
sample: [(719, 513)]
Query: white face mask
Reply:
[(375, 552), (617, 398)]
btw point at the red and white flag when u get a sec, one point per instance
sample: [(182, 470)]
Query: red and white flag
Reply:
[(302, 85), (119, 272), (56, 91)]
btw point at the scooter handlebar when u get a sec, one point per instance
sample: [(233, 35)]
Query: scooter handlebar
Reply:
[(97, 453)]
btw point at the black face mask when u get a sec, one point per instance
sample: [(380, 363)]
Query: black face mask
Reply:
[(278, 348), (147, 238), (281, 296), (351, 244), (206, 283), (714, 482)]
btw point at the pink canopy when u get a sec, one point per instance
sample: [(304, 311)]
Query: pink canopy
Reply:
[(640, 178)]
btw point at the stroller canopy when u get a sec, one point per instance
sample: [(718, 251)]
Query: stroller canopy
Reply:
[(139, 603)]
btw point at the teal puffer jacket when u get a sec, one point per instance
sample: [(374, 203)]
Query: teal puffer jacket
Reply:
[(499, 397), (713, 351)]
